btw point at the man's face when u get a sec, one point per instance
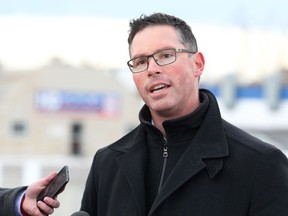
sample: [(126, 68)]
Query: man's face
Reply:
[(171, 90)]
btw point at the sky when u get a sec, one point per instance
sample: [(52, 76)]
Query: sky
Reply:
[(247, 13), (73, 31), (28, 41)]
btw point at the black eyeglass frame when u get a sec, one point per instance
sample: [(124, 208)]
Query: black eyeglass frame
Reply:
[(177, 50)]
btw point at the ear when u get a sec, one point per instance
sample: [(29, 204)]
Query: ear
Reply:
[(199, 63)]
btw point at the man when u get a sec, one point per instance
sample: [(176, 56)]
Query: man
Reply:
[(183, 158), (22, 200)]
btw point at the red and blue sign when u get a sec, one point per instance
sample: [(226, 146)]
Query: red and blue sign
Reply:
[(55, 101)]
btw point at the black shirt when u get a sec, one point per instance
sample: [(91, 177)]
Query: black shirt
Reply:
[(179, 134)]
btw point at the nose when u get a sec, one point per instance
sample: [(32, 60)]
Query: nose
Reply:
[(153, 68)]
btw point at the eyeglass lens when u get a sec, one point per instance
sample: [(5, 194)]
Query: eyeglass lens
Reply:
[(163, 57)]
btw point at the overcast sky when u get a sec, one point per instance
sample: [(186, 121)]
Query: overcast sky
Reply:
[(75, 38), (248, 13)]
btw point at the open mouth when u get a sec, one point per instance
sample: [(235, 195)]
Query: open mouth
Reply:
[(159, 88)]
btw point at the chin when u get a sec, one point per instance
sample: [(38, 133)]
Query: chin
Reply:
[(162, 107)]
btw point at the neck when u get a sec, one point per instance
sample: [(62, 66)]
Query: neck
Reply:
[(158, 118)]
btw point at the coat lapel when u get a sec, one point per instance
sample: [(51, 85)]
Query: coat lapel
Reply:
[(191, 164), (133, 165), (206, 151), (188, 166)]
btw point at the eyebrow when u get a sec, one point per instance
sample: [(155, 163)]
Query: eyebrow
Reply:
[(157, 50)]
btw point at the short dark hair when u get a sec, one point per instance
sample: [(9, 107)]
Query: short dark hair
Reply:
[(186, 36)]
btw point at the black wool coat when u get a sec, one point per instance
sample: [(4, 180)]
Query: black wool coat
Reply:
[(8, 200), (226, 172)]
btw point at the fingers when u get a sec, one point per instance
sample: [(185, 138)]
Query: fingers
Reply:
[(48, 206), (54, 203), (41, 208), (44, 209)]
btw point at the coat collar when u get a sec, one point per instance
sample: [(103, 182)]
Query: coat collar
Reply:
[(209, 141), (207, 150)]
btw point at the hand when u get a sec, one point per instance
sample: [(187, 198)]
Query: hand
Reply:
[(31, 207)]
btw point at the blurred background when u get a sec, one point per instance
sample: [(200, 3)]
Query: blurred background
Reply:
[(65, 89)]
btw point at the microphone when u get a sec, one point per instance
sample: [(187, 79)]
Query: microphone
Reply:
[(80, 213)]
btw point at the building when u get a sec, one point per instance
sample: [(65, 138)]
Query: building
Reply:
[(59, 109)]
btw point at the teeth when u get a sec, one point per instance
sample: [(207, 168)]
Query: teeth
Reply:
[(158, 87)]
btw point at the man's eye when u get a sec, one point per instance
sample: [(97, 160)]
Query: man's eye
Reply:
[(140, 61), (166, 55)]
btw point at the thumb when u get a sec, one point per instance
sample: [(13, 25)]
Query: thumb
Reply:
[(35, 188), (46, 180)]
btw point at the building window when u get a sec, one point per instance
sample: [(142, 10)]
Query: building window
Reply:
[(18, 128), (76, 135)]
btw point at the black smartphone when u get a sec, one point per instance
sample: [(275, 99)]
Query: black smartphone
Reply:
[(57, 185)]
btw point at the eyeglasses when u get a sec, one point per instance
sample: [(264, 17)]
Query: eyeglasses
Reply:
[(163, 57)]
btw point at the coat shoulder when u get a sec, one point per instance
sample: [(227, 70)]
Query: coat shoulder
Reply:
[(241, 139), (124, 144)]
